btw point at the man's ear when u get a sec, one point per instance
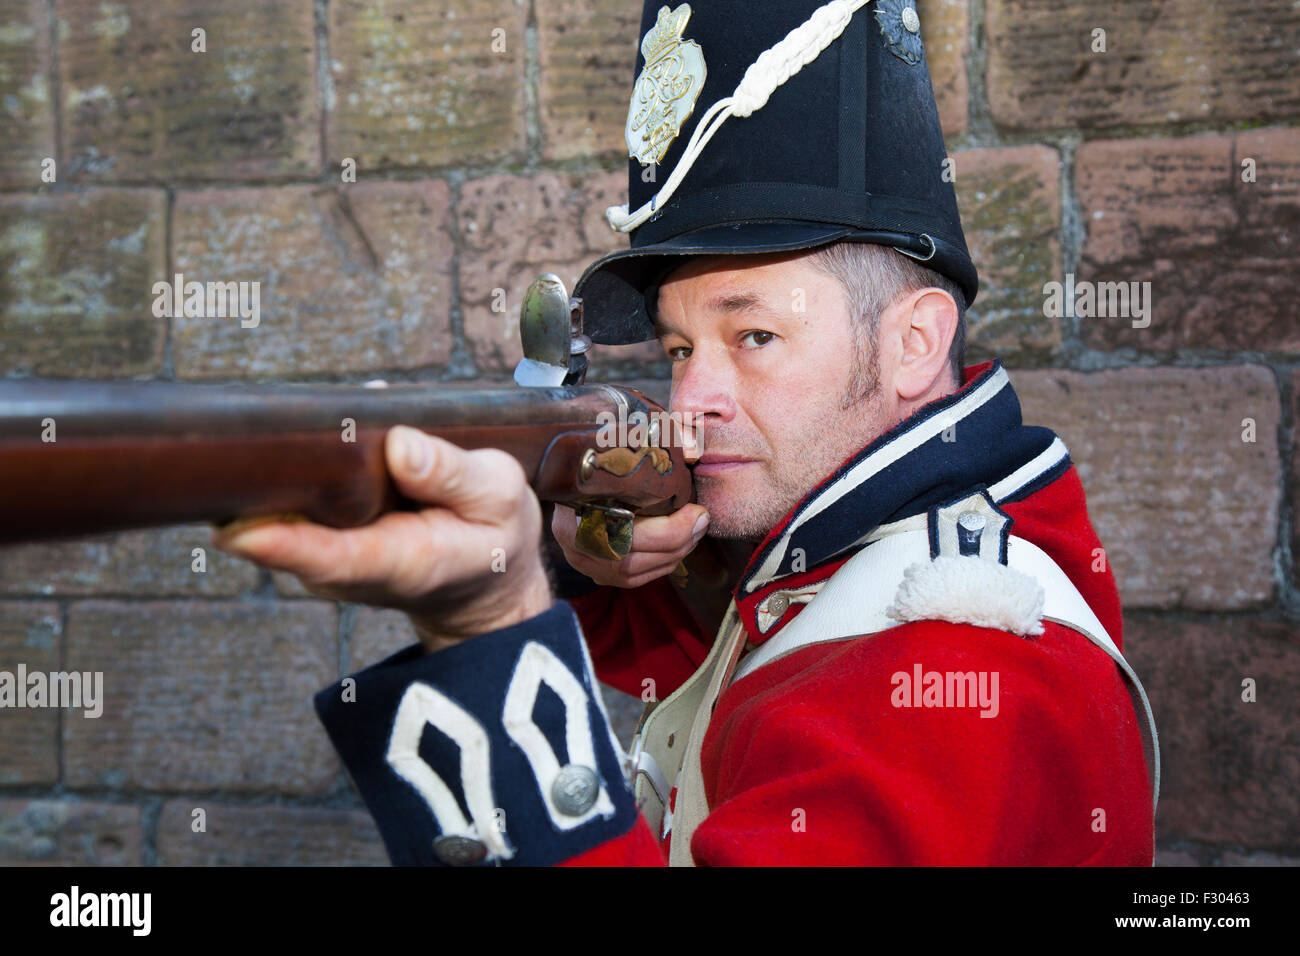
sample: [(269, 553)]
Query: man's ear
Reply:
[(926, 324)]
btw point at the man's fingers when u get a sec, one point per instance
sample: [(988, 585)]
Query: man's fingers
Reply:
[(395, 550), (661, 535), (298, 547), (640, 566), (480, 485), (639, 563), (668, 533)]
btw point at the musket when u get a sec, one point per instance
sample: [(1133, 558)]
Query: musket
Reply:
[(82, 457)]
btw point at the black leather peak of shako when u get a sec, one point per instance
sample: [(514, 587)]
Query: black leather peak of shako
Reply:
[(848, 148)]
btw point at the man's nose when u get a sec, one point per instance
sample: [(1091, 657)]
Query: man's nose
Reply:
[(701, 398)]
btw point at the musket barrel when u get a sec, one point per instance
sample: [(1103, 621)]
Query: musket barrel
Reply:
[(96, 409), (80, 458)]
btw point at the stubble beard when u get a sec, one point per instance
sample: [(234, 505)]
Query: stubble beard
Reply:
[(749, 513)]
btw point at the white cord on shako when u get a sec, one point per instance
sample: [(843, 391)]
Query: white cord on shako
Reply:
[(800, 47)]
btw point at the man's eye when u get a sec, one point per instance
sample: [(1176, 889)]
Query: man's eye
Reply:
[(760, 337), (672, 353)]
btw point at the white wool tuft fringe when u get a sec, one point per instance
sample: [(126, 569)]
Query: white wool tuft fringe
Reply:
[(970, 590)]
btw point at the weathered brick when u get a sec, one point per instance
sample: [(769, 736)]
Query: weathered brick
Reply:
[(1231, 768), (1181, 61), (267, 836), (945, 26), (69, 833), (1175, 858), (617, 363), (203, 695), (624, 711), (76, 272), (155, 563), (599, 192), (1259, 858), (1266, 244), (377, 633), (587, 52), (1293, 479), (513, 229), (418, 84), (1267, 174), (288, 585), (140, 105), (1186, 509), (25, 100), (1222, 255), (29, 737), (353, 278), (1011, 213), (1135, 193)]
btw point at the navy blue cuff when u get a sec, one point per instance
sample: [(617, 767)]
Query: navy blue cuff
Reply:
[(494, 751)]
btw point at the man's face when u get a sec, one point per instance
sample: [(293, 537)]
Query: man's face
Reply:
[(763, 350)]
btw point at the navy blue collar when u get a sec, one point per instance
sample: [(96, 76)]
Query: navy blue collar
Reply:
[(951, 448)]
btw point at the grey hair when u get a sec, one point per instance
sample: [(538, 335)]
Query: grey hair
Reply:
[(873, 276)]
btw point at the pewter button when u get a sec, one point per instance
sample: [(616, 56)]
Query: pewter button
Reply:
[(972, 521), (459, 850), (911, 22), (575, 790), (779, 603)]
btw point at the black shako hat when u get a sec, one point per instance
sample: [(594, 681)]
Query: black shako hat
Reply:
[(775, 125)]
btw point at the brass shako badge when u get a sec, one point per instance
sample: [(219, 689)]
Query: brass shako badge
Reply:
[(664, 95)]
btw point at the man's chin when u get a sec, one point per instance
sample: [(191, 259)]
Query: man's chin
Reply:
[(739, 535), (730, 519)]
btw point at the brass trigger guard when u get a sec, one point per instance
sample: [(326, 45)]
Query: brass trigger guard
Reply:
[(604, 531)]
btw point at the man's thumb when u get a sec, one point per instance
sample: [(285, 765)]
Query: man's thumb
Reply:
[(412, 451)]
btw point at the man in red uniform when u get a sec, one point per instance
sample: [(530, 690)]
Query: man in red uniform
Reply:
[(830, 749), (920, 661)]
